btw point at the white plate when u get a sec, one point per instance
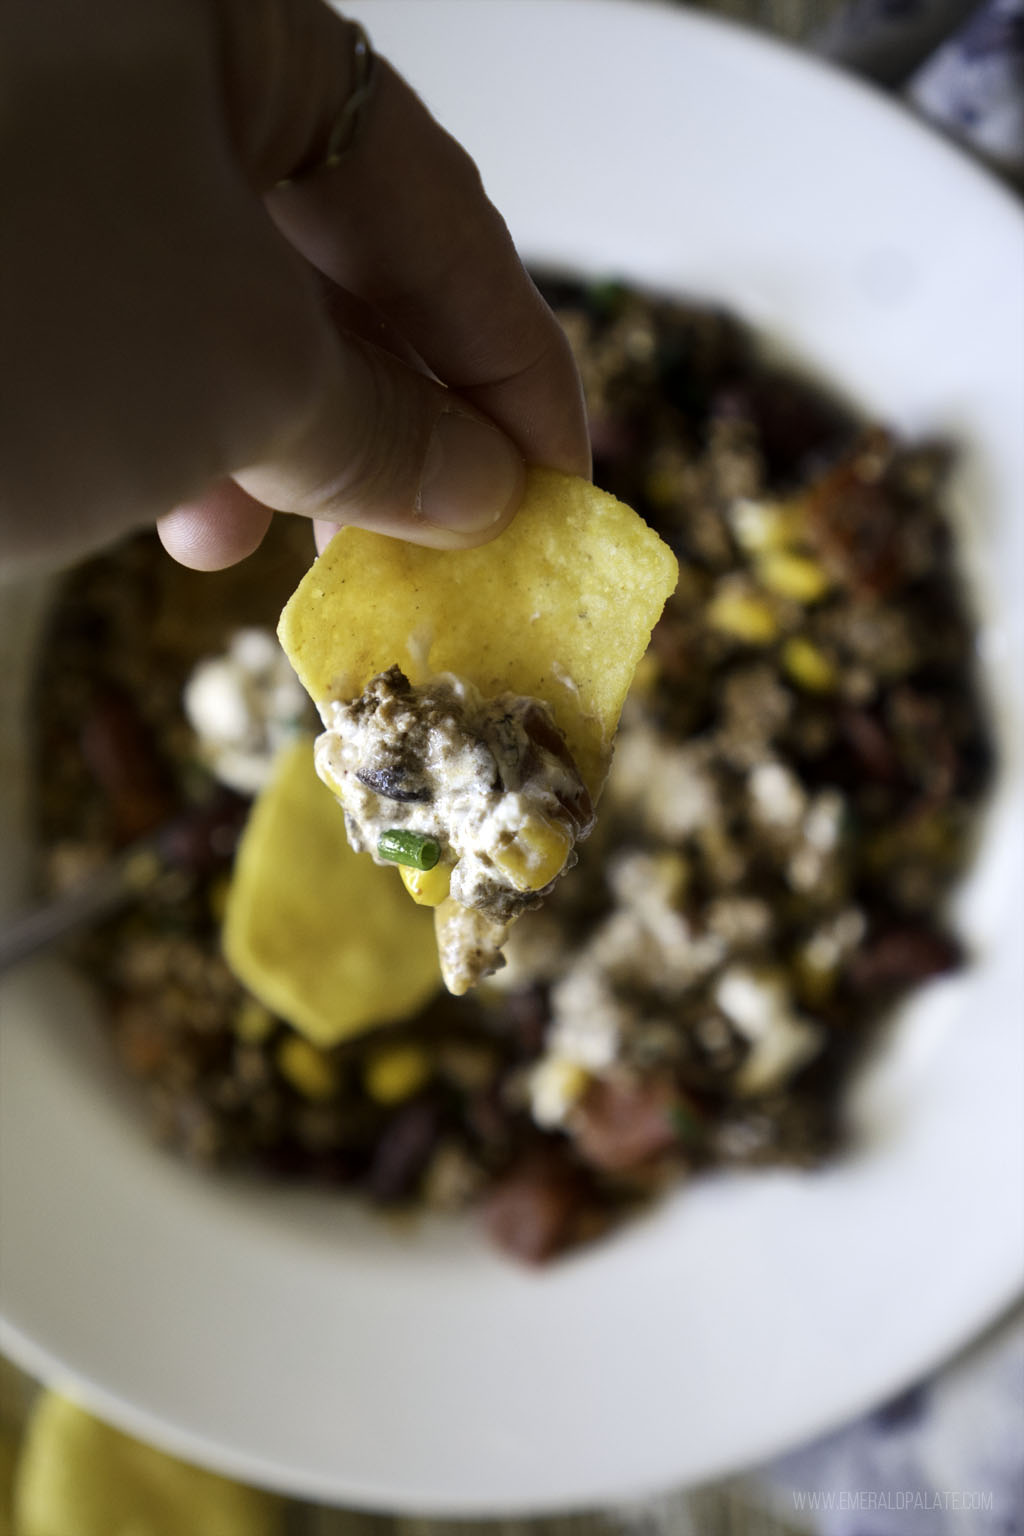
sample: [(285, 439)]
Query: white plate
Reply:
[(295, 1341)]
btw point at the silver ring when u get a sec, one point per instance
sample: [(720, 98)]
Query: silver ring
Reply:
[(346, 127)]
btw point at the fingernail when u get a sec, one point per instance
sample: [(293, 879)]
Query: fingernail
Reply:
[(472, 475), (323, 533)]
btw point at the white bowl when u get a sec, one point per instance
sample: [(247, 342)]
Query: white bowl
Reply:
[(295, 1340)]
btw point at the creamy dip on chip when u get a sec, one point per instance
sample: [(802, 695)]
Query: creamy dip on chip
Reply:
[(478, 800)]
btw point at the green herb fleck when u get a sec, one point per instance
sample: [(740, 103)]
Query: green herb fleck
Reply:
[(411, 848)]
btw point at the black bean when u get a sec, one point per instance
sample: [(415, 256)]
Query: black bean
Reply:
[(403, 1151), (389, 782), (902, 956)]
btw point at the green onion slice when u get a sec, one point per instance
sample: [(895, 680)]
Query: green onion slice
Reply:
[(411, 848)]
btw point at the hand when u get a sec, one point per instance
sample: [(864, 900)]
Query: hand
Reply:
[(178, 331)]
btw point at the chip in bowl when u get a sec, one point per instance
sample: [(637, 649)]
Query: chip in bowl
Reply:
[(323, 937)]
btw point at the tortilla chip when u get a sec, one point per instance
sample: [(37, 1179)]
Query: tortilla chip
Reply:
[(79, 1476), (323, 937), (559, 607), (8, 1461)]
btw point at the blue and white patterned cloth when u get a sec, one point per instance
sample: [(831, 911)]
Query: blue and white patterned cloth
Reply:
[(974, 85), (958, 62), (944, 1459)]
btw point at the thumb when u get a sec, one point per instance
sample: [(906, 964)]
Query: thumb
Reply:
[(387, 448), (380, 446)]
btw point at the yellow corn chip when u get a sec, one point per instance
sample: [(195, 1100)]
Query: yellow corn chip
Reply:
[(321, 935), (78, 1477), (559, 607), (8, 1461)]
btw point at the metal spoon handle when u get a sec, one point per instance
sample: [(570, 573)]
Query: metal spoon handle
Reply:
[(96, 896)]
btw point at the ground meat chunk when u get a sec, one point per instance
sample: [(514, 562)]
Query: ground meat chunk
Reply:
[(623, 1122), (531, 1213)]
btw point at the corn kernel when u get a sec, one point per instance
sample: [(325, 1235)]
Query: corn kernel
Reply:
[(252, 1021), (309, 1071), (743, 616), (536, 855), (396, 1072), (671, 874), (555, 1086), (760, 526), (427, 887), (794, 576), (808, 666)]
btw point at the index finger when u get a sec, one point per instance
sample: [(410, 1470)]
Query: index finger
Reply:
[(404, 222)]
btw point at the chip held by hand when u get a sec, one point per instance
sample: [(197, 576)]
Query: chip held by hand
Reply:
[(559, 607), (471, 697)]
